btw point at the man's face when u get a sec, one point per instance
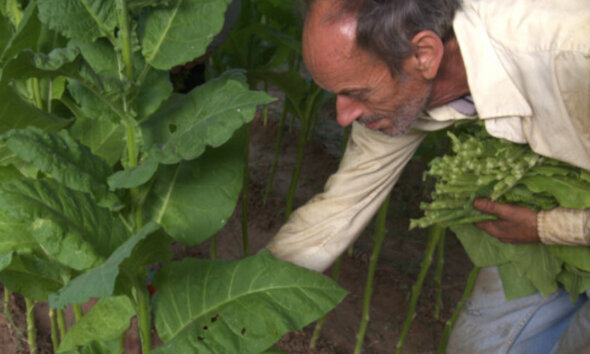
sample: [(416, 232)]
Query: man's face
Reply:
[(365, 88)]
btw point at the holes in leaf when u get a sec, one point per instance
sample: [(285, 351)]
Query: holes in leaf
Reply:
[(200, 338), (172, 127), (243, 331), (214, 318), (205, 328)]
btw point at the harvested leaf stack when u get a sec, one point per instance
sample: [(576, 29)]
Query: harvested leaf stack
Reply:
[(484, 166)]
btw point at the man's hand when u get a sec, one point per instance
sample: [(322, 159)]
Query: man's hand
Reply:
[(515, 224)]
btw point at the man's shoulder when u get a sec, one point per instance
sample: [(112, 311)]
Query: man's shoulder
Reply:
[(534, 25)]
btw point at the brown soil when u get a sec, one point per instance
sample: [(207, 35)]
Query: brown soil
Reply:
[(396, 272)]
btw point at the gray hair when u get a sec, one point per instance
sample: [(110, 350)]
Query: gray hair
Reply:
[(385, 28)]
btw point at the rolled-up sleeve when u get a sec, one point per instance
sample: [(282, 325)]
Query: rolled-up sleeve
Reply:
[(319, 231), (564, 226)]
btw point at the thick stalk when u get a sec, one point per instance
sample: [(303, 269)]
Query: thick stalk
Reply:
[(318, 327), (265, 107), (133, 159), (438, 277), (61, 323), (435, 233), (379, 237), (37, 93), (31, 328), (7, 314), (451, 322), (78, 314), (296, 171), (245, 193), (125, 39), (144, 319), (275, 159), (54, 329), (213, 247)]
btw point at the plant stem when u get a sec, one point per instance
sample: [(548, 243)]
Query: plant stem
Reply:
[(144, 319), (275, 159), (54, 329), (7, 314), (78, 314), (438, 277), (126, 39), (37, 93), (61, 323), (245, 193), (213, 247), (31, 328), (265, 107), (121, 349), (451, 322), (379, 237), (435, 233), (298, 163), (320, 323)]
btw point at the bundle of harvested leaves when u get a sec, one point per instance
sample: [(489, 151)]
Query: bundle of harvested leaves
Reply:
[(484, 166)]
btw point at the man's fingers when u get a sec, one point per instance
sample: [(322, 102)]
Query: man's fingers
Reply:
[(489, 207), (493, 229)]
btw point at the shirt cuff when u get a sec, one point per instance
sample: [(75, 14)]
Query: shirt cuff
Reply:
[(564, 226)]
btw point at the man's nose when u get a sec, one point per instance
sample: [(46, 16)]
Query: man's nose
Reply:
[(348, 110)]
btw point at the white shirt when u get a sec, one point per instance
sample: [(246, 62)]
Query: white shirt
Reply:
[(528, 70)]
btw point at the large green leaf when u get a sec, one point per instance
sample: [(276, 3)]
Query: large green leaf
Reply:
[(15, 236), (569, 192), (16, 113), (578, 256), (208, 115), (25, 36), (237, 307), (135, 176), (59, 62), (33, 277), (6, 33), (67, 248), (574, 281), (105, 139), (108, 319), (193, 200), (64, 159), (535, 262), (75, 212), (102, 58), (98, 96), (152, 93), (180, 32), (482, 249), (100, 281), (515, 285), (85, 20)]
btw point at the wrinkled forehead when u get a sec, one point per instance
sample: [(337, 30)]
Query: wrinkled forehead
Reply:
[(325, 36)]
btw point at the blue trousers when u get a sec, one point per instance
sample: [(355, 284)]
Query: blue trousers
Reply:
[(531, 324)]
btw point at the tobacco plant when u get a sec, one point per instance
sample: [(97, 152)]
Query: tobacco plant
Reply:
[(103, 167)]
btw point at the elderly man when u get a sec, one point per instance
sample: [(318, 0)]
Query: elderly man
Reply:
[(403, 68)]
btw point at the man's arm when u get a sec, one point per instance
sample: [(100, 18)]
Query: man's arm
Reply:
[(515, 224), (318, 232)]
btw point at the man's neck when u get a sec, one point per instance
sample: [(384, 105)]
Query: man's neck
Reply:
[(451, 80)]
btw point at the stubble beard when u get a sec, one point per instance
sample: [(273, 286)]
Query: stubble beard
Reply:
[(404, 117)]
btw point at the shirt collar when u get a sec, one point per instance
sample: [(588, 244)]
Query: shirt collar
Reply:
[(494, 93)]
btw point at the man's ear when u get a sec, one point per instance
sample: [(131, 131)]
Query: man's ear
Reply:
[(428, 53)]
